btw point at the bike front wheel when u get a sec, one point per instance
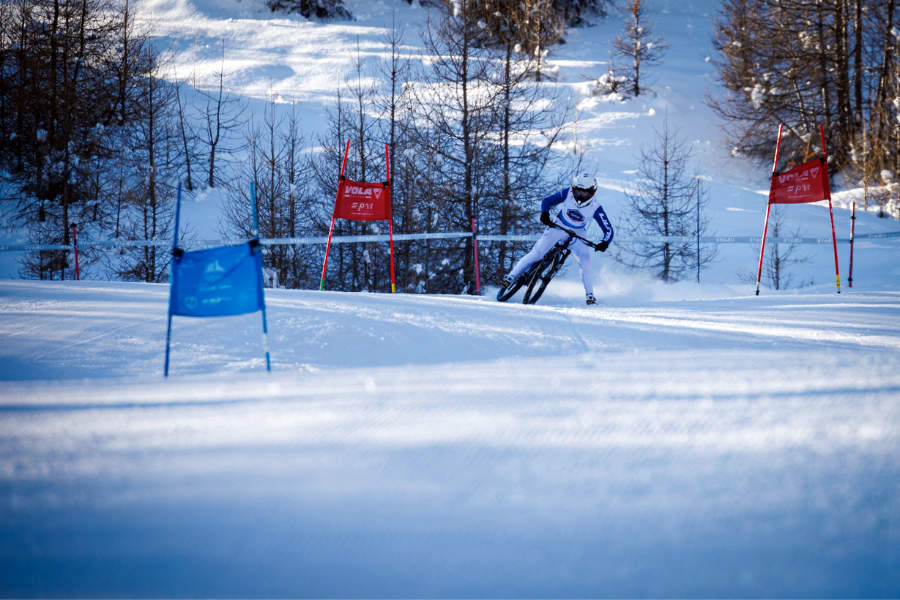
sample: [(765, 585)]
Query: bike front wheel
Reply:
[(505, 293)]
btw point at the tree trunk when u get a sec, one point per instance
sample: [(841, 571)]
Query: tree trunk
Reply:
[(842, 65), (825, 83), (506, 198), (468, 187), (888, 58), (184, 138), (858, 64)]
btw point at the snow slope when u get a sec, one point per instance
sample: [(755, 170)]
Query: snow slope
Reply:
[(675, 441), (715, 445), (288, 59)]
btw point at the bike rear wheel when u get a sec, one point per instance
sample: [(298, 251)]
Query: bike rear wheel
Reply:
[(541, 277)]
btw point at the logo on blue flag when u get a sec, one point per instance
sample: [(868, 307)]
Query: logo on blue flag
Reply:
[(217, 282)]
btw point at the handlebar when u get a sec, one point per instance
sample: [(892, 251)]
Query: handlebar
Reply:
[(575, 235)]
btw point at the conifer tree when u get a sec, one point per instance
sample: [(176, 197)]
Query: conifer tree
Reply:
[(638, 44), (660, 232)]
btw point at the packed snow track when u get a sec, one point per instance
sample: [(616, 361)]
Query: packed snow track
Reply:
[(449, 446)]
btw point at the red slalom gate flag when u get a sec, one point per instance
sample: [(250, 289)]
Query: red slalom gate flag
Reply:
[(804, 183), (361, 201)]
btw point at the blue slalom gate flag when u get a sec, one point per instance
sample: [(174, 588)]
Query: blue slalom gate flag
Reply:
[(218, 282)]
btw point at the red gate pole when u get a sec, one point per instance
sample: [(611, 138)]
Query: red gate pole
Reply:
[(387, 164), (837, 275), (331, 228), (852, 231), (75, 246), (762, 247), (391, 234), (477, 270)]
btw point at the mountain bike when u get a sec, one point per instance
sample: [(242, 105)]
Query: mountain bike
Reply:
[(537, 277)]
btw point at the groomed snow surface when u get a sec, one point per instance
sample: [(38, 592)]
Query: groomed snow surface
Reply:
[(717, 444), (672, 441)]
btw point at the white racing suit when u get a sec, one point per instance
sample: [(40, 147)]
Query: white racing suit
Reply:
[(572, 217)]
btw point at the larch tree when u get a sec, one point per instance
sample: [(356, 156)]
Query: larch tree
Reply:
[(638, 44), (660, 231), (806, 63)]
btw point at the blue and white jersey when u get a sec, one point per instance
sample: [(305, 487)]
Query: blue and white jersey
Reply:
[(575, 217)]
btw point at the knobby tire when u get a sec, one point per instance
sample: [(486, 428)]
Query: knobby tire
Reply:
[(541, 277), (505, 293)]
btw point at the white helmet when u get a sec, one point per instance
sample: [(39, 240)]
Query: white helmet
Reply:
[(583, 187)]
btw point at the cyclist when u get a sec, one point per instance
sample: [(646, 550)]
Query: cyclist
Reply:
[(573, 206)]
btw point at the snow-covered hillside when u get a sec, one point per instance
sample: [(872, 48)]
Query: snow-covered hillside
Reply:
[(674, 440), (292, 60), (288, 59)]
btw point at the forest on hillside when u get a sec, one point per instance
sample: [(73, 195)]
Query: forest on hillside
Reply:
[(96, 133)]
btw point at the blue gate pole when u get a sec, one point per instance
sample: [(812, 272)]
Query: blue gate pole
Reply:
[(168, 336), (172, 279), (256, 237), (266, 339)]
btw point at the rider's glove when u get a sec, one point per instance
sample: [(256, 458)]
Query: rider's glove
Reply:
[(602, 246), (545, 219)]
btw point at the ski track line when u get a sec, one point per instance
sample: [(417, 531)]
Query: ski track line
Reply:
[(61, 348), (731, 376), (784, 332)]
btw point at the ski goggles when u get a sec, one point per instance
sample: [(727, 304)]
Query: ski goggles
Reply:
[(582, 195)]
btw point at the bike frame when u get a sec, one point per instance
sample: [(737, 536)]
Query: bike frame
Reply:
[(546, 268), (572, 234)]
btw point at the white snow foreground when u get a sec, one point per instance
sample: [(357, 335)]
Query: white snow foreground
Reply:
[(449, 446)]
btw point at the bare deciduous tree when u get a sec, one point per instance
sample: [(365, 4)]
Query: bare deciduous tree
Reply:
[(782, 255), (68, 78), (804, 63), (149, 207), (638, 44), (660, 232), (187, 135), (222, 116), (459, 108), (526, 130)]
